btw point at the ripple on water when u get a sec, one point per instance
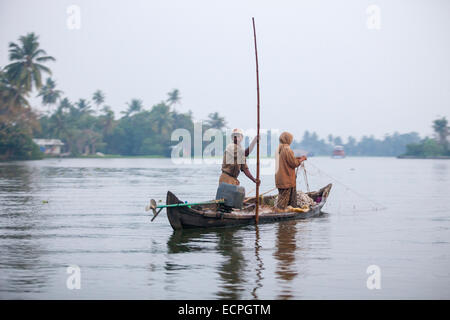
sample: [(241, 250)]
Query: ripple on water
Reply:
[(89, 212)]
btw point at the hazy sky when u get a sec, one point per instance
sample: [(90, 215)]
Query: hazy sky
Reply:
[(321, 68)]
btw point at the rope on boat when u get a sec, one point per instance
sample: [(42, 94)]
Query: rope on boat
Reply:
[(305, 176), (378, 206), (250, 192), (260, 196)]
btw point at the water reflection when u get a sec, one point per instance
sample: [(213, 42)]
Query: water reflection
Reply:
[(228, 243), (259, 264), (286, 247), (23, 269), (440, 168), (182, 241), (233, 271), (230, 246), (94, 217), (21, 263), (16, 183)]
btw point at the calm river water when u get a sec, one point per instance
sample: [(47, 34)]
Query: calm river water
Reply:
[(90, 213)]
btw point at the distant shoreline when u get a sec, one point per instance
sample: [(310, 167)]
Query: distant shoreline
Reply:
[(106, 156), (421, 157), (115, 156)]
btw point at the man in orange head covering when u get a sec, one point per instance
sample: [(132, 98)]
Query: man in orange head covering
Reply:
[(285, 179)]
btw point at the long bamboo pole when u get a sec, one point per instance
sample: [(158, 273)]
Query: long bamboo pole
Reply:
[(257, 130)]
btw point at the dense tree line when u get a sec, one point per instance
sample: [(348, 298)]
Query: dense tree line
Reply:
[(390, 145), (138, 132), (86, 126), (432, 147)]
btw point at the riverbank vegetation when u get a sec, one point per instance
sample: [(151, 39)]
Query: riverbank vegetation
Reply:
[(430, 148), (86, 126), (389, 146), (18, 79)]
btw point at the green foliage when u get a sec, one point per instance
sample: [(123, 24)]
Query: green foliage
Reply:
[(152, 146), (16, 144), (98, 97), (427, 148), (81, 132), (173, 97), (147, 132), (390, 145), (83, 106), (49, 93), (12, 98), (441, 129), (312, 143), (26, 63), (134, 106), (17, 80), (431, 147), (215, 121), (139, 132)]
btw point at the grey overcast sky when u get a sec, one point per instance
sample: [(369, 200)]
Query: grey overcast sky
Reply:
[(321, 68)]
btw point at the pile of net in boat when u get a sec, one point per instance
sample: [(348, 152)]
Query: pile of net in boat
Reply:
[(304, 202)]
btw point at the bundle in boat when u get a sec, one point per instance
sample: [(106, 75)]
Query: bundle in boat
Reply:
[(303, 209)]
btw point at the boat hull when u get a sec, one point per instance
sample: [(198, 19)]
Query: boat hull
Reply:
[(195, 217)]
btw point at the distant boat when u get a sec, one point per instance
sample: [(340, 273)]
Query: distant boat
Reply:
[(338, 152)]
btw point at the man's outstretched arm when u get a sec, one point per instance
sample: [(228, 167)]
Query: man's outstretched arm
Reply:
[(249, 175)]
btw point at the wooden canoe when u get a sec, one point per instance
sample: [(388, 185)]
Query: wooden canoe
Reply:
[(206, 216)]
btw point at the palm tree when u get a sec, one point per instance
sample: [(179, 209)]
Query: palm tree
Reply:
[(107, 120), (59, 124), (182, 120), (162, 118), (83, 106), (215, 121), (11, 97), (15, 111), (98, 98), (441, 128), (65, 104), (174, 97), (90, 141), (134, 106), (26, 67), (337, 141), (50, 95), (330, 138)]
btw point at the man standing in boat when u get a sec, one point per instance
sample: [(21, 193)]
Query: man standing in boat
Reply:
[(285, 178), (234, 159)]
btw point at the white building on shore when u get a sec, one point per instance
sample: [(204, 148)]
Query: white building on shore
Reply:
[(49, 146)]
